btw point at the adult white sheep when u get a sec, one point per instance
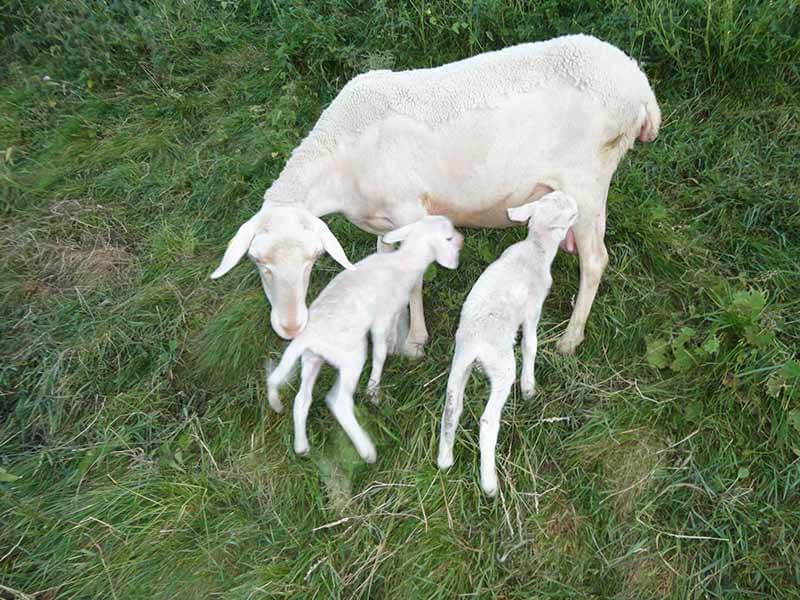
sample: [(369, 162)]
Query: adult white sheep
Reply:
[(467, 140)]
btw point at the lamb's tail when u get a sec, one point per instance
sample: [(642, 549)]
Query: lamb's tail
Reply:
[(278, 376)]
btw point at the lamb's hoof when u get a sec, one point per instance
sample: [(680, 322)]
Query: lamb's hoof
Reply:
[(414, 350), (528, 391), (489, 488), (568, 344), (275, 402), (370, 455), (301, 450)]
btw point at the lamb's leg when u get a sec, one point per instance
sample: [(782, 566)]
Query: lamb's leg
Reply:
[(500, 370), (302, 402), (589, 234), (417, 331), (341, 405), (378, 358), (453, 404), (529, 325), (278, 376)]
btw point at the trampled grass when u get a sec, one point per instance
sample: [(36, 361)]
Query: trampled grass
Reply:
[(138, 458)]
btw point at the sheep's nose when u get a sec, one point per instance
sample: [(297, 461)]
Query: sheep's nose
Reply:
[(291, 328), (291, 332), (459, 240)]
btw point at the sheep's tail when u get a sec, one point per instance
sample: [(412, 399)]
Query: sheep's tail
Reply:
[(279, 375), (651, 121)]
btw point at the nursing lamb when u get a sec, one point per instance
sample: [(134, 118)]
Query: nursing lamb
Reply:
[(508, 294), (354, 303), (466, 140)]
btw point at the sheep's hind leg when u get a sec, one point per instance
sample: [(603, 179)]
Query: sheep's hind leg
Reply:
[(340, 402), (500, 370), (453, 404)]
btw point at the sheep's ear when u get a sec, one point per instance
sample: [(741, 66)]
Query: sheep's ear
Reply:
[(522, 213), (331, 244), (397, 235), (237, 247)]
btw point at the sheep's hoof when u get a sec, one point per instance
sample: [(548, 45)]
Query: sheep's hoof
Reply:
[(489, 488), (567, 344), (528, 391), (445, 462), (370, 455), (301, 450), (275, 402), (414, 349)]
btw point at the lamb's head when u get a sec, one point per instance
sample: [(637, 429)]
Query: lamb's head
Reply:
[(553, 213), (433, 233), (283, 242)]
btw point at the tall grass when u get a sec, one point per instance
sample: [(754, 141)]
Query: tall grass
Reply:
[(137, 456)]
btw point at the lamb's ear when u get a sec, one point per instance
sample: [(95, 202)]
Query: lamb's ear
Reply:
[(397, 235), (522, 213), (237, 247), (331, 244)]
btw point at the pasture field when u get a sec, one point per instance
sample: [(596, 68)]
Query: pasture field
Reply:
[(138, 457)]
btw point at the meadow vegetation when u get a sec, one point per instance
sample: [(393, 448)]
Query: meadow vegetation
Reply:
[(138, 457)]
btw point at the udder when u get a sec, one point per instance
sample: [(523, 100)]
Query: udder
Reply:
[(492, 214)]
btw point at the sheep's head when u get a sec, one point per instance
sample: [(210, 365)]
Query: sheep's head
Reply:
[(555, 212), (434, 231), (283, 242)]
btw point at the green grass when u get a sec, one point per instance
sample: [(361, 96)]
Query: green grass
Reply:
[(138, 458)]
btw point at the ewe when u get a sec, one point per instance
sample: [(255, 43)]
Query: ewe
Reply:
[(466, 140), (508, 294), (354, 303)]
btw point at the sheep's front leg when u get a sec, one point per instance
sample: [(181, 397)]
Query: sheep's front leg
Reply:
[(378, 358), (593, 257), (302, 402), (527, 379), (417, 331), (397, 331)]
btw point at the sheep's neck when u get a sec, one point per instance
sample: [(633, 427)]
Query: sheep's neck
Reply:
[(412, 260), (544, 246)]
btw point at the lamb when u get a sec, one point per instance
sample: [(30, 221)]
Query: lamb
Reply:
[(354, 303), (466, 140), (508, 294)]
